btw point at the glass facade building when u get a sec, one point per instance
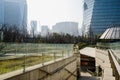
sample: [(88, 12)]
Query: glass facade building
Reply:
[(99, 15), (1, 13), (15, 12)]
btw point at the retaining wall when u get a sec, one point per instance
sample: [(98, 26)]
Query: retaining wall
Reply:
[(61, 69)]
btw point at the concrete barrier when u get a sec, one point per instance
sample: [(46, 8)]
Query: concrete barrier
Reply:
[(61, 69), (115, 65)]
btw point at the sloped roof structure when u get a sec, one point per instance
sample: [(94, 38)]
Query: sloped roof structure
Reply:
[(111, 33), (88, 51)]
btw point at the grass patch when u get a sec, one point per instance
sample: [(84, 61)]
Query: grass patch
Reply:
[(18, 63)]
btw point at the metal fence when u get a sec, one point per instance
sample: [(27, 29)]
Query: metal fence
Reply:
[(14, 56)]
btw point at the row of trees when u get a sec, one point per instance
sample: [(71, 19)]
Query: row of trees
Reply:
[(63, 38), (16, 34), (13, 33)]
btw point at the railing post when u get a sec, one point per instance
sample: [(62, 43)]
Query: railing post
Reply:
[(42, 59), (68, 53), (24, 64), (62, 54), (54, 56)]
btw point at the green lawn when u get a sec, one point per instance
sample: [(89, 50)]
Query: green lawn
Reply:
[(15, 54), (18, 63)]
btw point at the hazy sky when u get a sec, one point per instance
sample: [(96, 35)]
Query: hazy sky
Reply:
[(49, 12)]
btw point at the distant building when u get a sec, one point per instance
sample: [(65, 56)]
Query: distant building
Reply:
[(99, 15), (14, 12), (1, 12), (34, 30), (44, 30), (80, 31), (66, 28)]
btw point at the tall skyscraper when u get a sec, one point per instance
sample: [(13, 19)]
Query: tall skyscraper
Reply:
[(15, 12), (44, 30), (34, 30), (66, 28), (99, 15), (1, 12)]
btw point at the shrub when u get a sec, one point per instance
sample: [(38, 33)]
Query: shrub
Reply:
[(81, 45)]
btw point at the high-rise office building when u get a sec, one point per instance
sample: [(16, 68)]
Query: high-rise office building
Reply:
[(34, 30), (66, 28), (99, 15), (14, 12), (44, 30), (1, 12)]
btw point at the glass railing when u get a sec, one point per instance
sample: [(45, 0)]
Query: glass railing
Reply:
[(115, 47), (14, 56)]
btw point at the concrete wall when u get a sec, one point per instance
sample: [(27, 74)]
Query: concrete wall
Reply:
[(115, 66), (63, 69)]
